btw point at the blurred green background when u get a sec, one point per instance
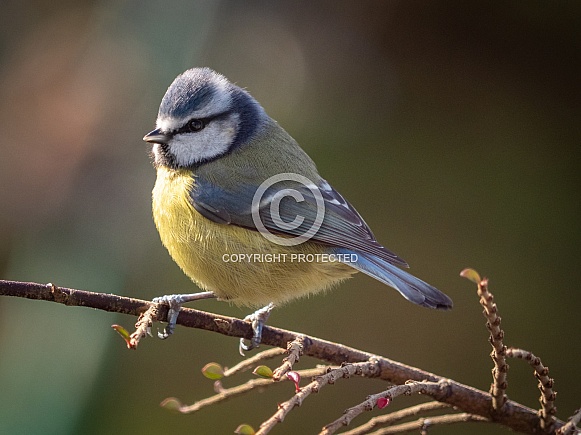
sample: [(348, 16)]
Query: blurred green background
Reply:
[(453, 127)]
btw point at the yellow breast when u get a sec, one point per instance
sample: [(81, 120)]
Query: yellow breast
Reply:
[(205, 251)]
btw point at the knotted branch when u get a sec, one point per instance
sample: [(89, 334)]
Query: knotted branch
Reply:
[(470, 400), (548, 395)]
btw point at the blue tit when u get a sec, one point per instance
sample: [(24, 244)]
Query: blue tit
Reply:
[(215, 149)]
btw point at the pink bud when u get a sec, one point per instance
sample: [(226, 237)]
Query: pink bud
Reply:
[(296, 378), (382, 402)]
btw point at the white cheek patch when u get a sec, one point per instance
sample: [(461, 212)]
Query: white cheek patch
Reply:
[(212, 141)]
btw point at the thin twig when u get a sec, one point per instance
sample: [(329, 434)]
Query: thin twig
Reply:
[(498, 355), (367, 369), (227, 393), (249, 363), (295, 351), (433, 389), (548, 395), (423, 424), (390, 419), (570, 428)]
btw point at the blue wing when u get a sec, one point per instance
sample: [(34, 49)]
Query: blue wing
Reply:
[(341, 227)]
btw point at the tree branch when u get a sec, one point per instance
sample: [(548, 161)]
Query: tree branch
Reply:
[(470, 400), (424, 423), (295, 350), (368, 369), (498, 354), (434, 389), (571, 427), (548, 395), (390, 419)]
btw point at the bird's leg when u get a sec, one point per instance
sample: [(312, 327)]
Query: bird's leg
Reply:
[(174, 302), (258, 319)]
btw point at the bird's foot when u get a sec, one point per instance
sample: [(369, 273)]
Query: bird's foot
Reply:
[(258, 319), (175, 302)]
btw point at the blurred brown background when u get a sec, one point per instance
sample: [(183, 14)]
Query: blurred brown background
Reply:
[(453, 127)]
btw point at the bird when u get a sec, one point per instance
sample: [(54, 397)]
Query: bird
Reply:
[(243, 211)]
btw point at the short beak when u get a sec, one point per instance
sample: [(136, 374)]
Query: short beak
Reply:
[(156, 136)]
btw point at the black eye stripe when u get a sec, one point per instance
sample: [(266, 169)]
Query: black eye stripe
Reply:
[(197, 124), (193, 125)]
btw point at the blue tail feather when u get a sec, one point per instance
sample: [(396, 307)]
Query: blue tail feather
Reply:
[(413, 289)]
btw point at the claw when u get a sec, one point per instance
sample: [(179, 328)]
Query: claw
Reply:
[(258, 319), (174, 302)]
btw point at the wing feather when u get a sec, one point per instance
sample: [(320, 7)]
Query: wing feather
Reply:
[(342, 225)]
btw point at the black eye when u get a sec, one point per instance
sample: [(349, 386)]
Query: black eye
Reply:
[(196, 125)]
